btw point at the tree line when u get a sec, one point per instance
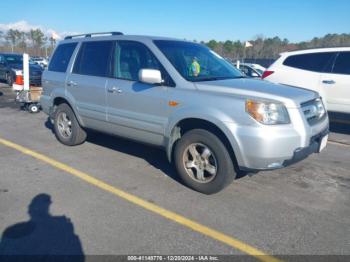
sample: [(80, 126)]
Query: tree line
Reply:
[(270, 48), (33, 42)]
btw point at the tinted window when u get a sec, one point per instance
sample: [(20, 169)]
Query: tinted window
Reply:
[(14, 59), (94, 58), (342, 64), (131, 56), (317, 62), (60, 59), (196, 62)]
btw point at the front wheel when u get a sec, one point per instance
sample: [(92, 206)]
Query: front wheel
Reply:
[(203, 162), (66, 126)]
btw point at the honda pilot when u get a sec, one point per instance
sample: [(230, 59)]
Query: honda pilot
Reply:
[(211, 121)]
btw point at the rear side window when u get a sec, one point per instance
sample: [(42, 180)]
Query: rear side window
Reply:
[(60, 59), (94, 59), (342, 64), (317, 62)]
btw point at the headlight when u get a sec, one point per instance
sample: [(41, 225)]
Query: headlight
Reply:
[(320, 108), (267, 113)]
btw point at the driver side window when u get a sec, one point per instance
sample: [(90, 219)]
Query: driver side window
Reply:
[(131, 56)]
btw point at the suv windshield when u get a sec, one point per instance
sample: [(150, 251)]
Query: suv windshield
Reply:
[(196, 62)]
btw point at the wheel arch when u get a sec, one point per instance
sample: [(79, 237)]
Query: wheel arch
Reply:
[(184, 125), (60, 100)]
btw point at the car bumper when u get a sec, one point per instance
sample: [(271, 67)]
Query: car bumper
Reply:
[(272, 147), (46, 104)]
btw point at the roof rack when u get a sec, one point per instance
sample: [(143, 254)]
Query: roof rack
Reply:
[(92, 34)]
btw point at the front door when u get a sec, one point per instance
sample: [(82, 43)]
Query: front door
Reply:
[(137, 110)]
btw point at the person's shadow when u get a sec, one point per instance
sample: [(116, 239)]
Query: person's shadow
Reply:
[(43, 238)]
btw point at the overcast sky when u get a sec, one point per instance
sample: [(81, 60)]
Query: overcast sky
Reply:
[(296, 20)]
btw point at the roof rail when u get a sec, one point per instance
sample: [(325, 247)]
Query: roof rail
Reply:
[(92, 34)]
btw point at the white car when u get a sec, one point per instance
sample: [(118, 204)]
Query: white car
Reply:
[(251, 70), (40, 61), (325, 70), (257, 67)]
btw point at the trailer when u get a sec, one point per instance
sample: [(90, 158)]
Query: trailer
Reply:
[(30, 99)]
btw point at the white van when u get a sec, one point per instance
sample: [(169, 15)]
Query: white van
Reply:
[(325, 70)]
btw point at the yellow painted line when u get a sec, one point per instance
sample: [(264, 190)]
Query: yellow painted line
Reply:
[(195, 226)]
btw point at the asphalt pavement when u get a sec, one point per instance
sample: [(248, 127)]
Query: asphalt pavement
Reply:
[(300, 210)]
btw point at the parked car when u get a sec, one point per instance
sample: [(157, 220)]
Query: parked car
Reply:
[(181, 96), (250, 70), (40, 61), (11, 63), (325, 70)]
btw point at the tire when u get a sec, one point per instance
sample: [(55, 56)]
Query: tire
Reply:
[(33, 108), (9, 79), (66, 126), (189, 167)]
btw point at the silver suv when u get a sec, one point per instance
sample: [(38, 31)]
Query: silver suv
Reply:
[(182, 96)]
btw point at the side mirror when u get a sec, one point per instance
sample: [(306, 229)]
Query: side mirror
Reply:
[(150, 76)]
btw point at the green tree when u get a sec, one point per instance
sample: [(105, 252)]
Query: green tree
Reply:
[(37, 38), (11, 36), (212, 44), (228, 47), (21, 37)]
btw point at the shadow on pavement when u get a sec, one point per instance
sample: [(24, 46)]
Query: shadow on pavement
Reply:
[(43, 238), (153, 155)]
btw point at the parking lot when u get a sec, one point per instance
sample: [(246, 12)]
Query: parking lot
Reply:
[(122, 198)]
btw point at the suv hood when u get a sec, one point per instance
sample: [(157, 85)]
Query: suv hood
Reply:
[(252, 88)]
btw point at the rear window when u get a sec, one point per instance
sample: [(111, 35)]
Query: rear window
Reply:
[(94, 59), (317, 62), (61, 57), (342, 64)]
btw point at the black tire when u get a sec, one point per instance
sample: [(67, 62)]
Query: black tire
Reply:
[(225, 172), (77, 135), (9, 79), (33, 108)]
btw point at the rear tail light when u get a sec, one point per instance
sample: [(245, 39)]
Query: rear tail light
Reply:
[(266, 74), (19, 80)]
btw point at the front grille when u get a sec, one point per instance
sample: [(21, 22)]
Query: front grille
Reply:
[(314, 111)]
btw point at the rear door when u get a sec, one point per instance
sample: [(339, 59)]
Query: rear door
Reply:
[(137, 110), (336, 85), (55, 76), (86, 85)]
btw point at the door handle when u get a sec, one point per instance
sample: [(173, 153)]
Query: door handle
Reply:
[(328, 82), (72, 83), (115, 90)]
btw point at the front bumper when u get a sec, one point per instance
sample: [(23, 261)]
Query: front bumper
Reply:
[(46, 103), (259, 147), (302, 153)]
